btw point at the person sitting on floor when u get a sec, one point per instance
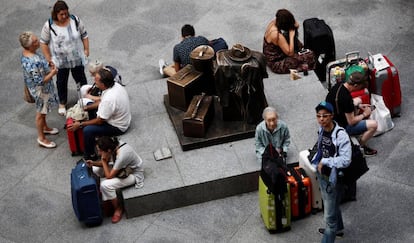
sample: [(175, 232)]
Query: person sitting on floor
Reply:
[(271, 130), (182, 51), (120, 166), (281, 45), (113, 115)]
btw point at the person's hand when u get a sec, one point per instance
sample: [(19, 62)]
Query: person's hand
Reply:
[(366, 109), (89, 163), (53, 69), (320, 165), (296, 25), (74, 126), (86, 52)]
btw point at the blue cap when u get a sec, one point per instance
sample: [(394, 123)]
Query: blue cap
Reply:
[(326, 106)]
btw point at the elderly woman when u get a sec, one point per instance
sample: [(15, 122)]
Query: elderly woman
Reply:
[(38, 78), (65, 42), (126, 170), (281, 45)]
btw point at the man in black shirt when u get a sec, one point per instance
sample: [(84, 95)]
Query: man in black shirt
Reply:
[(355, 124)]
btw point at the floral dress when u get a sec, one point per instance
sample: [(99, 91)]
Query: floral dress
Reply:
[(34, 70)]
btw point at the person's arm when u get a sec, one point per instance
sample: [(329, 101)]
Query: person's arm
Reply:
[(80, 124), (260, 147), (53, 71), (45, 41), (353, 119), (177, 66), (286, 140), (109, 173), (287, 48), (92, 106), (85, 42)]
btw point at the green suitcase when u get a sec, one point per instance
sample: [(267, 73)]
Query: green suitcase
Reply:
[(269, 207)]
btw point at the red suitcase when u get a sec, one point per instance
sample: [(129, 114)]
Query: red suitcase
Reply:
[(385, 81), (300, 192), (75, 138)]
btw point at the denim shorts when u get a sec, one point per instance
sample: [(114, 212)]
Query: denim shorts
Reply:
[(358, 128)]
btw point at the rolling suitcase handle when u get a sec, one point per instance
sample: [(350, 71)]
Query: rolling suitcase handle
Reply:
[(351, 56)]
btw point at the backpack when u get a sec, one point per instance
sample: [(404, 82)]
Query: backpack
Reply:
[(76, 19), (273, 172)]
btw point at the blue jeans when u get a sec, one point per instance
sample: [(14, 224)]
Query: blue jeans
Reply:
[(91, 132), (331, 196), (78, 74)]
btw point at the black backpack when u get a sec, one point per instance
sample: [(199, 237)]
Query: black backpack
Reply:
[(273, 171), (318, 37)]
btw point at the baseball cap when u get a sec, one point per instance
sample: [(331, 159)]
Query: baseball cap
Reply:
[(324, 105)]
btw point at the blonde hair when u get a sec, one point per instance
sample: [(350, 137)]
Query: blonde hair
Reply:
[(94, 67), (25, 39)]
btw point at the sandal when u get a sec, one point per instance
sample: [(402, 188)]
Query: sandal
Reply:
[(62, 110)]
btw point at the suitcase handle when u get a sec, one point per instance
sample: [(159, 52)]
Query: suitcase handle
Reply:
[(188, 71), (348, 55), (194, 114)]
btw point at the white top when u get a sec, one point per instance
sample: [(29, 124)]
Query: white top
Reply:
[(115, 108), (66, 47)]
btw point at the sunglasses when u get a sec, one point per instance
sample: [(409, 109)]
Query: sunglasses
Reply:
[(323, 115)]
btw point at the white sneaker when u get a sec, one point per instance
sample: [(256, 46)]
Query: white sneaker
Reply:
[(162, 65)]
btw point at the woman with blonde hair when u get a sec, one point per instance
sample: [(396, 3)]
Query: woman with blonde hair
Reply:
[(38, 78)]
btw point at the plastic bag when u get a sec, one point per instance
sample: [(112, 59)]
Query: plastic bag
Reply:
[(381, 114)]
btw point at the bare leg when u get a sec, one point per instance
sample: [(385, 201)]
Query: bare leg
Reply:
[(372, 127), (169, 70)]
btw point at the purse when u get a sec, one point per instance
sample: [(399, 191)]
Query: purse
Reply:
[(356, 169), (124, 172), (27, 96), (381, 114)]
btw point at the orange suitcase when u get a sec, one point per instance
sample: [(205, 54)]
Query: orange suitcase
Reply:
[(300, 192)]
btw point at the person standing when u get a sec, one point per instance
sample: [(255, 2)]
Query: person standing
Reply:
[(334, 152), (182, 51), (38, 79), (64, 42), (271, 130)]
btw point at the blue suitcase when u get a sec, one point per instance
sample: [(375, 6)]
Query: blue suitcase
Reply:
[(85, 195)]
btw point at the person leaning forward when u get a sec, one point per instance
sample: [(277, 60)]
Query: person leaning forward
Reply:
[(344, 109), (182, 51), (113, 115), (271, 130)]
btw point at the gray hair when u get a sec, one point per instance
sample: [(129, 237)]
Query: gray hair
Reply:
[(25, 39), (94, 67), (269, 109)]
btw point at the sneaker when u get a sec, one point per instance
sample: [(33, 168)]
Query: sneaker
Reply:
[(339, 234), (162, 65), (368, 152)]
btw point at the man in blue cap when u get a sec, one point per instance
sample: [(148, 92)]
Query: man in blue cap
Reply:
[(334, 152)]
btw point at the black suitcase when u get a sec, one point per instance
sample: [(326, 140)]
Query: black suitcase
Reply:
[(318, 37), (85, 195)]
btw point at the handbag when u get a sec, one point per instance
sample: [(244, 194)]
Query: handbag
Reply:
[(357, 168), (124, 172), (27, 96), (381, 114), (77, 112)]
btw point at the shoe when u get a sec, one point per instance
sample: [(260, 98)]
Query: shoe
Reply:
[(62, 110), (368, 152), (46, 145), (116, 218), (54, 131), (339, 234), (162, 65)]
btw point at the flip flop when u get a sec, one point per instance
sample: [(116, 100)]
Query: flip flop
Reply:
[(46, 145), (54, 131)]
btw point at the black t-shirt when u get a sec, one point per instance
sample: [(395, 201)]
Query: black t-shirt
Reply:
[(345, 103), (327, 146)]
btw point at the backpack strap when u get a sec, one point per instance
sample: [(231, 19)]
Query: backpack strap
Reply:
[(75, 18)]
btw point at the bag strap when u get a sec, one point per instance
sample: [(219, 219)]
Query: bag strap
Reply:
[(71, 16)]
